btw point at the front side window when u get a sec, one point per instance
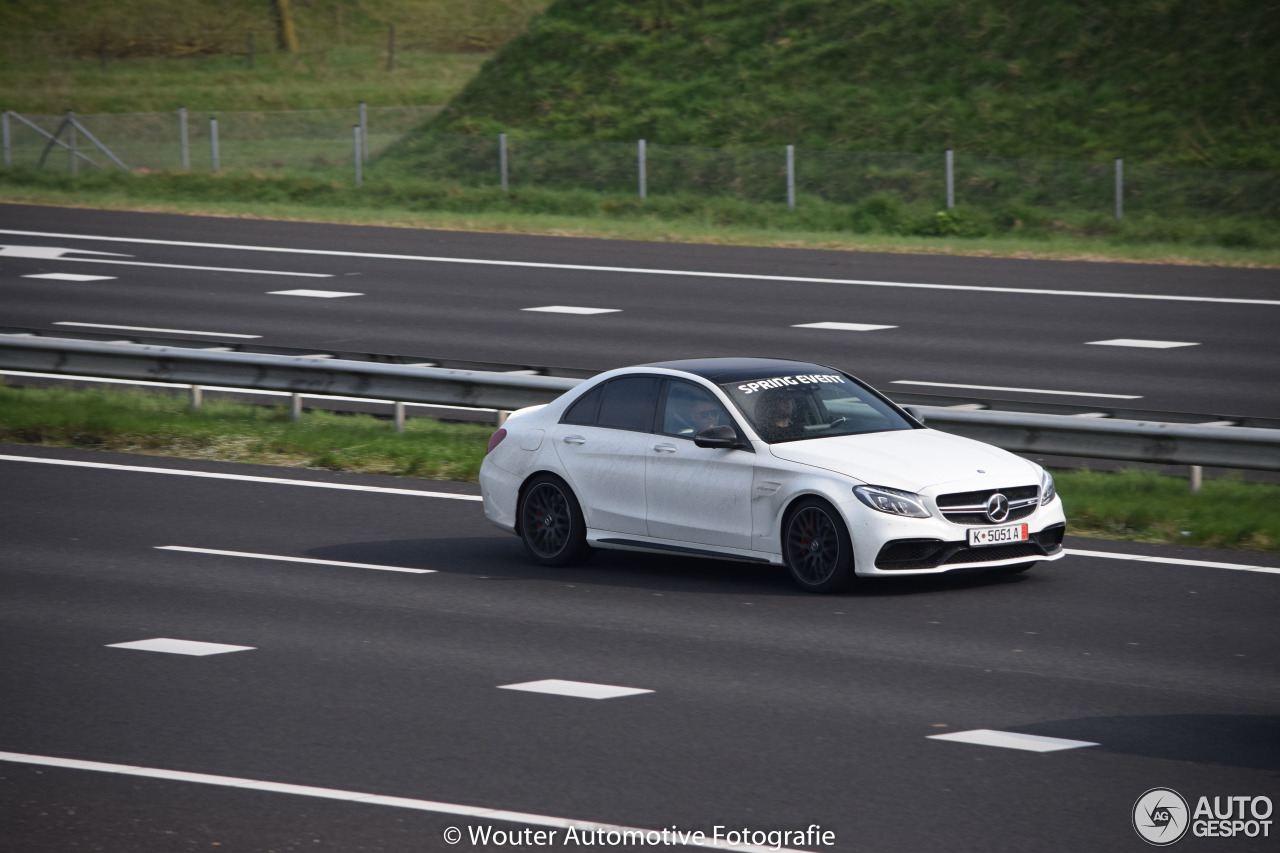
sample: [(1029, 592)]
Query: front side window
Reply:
[(630, 402), (815, 405), (691, 409)]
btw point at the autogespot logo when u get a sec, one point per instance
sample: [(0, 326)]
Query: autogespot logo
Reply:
[(1160, 816)]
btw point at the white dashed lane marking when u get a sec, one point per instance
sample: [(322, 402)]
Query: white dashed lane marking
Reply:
[(292, 559), (843, 327), (579, 689), (572, 309), (318, 294), (1141, 344), (180, 647), (153, 329), (1013, 740), (70, 276)]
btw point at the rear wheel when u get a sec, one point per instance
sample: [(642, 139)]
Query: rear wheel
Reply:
[(551, 523), (817, 548)]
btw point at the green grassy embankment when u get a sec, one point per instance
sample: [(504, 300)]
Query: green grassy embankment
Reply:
[(1126, 505)]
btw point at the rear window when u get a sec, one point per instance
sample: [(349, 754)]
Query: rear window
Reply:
[(629, 403), (815, 405)]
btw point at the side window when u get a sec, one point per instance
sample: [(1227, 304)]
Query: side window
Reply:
[(583, 412), (629, 403), (690, 409)]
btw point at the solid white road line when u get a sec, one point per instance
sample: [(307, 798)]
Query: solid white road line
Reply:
[(648, 271), (319, 294), (152, 329), (70, 276), (579, 689), (180, 647), (1140, 344), (1013, 740), (572, 309), (843, 327), (293, 559), (580, 826), (246, 478), (1020, 390), (1203, 564)]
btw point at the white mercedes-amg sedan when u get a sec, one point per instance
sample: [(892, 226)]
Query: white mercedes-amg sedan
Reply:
[(768, 461)]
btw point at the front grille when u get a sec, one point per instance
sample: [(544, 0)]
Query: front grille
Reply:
[(907, 554), (969, 507)]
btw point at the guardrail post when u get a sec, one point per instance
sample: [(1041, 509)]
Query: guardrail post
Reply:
[(8, 150), (791, 177), (500, 417), (951, 179), (357, 152), (1119, 188), (1197, 478), (184, 140), (364, 129), (644, 178), (295, 407), (502, 159), (71, 140), (213, 142), (399, 417), (197, 398)]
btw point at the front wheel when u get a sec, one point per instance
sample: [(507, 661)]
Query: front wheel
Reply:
[(551, 523), (817, 548)]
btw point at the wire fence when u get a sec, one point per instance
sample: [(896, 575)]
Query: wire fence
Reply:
[(322, 143)]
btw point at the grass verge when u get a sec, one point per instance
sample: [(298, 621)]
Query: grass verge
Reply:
[(566, 213), (1134, 505)]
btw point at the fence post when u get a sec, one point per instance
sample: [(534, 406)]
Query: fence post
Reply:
[(4, 126), (357, 152), (399, 415), (1197, 478), (951, 179), (791, 177), (213, 142), (71, 138), (502, 159), (197, 398), (1119, 188), (644, 177), (295, 407), (364, 129), (184, 139)]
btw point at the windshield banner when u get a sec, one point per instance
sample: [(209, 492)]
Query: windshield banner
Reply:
[(783, 381)]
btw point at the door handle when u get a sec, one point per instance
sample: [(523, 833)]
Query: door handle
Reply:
[(574, 439), (665, 448)]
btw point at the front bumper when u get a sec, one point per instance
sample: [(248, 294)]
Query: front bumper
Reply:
[(914, 554)]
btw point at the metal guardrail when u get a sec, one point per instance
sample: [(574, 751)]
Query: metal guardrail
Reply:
[(1065, 435)]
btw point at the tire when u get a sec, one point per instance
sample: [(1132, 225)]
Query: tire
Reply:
[(817, 548), (551, 523), (1012, 570)]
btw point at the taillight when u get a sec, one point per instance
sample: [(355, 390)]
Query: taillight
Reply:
[(496, 439)]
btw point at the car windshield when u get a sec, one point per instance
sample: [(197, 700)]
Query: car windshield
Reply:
[(814, 405)]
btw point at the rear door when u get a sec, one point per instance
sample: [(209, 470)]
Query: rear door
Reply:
[(603, 441)]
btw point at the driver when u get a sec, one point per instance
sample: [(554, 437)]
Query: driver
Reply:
[(778, 414)]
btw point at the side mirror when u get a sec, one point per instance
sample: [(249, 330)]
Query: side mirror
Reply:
[(914, 412), (717, 436)]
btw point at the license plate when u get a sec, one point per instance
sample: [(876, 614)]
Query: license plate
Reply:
[(997, 535)]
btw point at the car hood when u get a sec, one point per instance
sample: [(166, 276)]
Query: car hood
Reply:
[(912, 460)]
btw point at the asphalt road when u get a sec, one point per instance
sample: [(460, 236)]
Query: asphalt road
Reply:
[(770, 709), (995, 323)]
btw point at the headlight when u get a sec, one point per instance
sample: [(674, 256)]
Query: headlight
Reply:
[(892, 501), (1047, 490)]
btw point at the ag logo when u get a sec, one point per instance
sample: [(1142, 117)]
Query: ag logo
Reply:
[(1161, 817)]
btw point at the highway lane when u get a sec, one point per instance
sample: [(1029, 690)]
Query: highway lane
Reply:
[(771, 709), (991, 335)]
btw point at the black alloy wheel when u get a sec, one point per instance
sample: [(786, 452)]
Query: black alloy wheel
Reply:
[(551, 523), (817, 547)]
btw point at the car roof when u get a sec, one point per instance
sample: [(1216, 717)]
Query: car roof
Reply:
[(720, 370)]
